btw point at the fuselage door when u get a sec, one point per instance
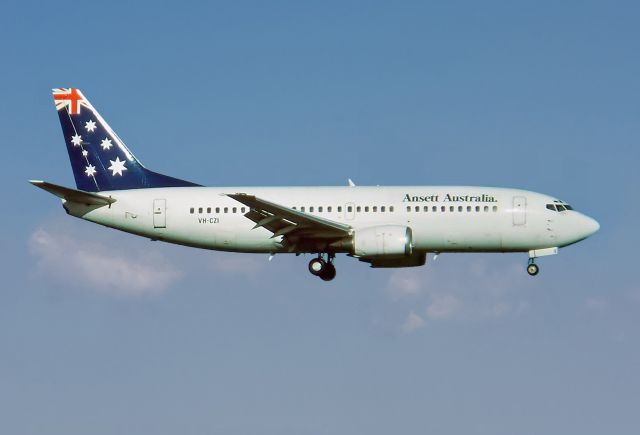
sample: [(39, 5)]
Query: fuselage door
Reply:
[(519, 211), (159, 213)]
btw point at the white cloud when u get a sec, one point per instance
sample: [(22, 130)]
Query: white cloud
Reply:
[(460, 288), (404, 283), (100, 266), (412, 323), (443, 306), (235, 264)]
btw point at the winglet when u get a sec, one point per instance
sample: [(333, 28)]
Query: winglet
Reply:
[(351, 183)]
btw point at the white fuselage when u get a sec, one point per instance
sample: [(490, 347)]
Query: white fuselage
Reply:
[(442, 218)]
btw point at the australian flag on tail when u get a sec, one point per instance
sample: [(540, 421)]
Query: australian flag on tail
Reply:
[(99, 158)]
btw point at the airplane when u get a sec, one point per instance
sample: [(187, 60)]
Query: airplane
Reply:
[(386, 227)]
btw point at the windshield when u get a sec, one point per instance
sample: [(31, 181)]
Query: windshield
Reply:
[(559, 206)]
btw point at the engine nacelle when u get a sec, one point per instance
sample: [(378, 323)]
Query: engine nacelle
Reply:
[(417, 259), (383, 241)]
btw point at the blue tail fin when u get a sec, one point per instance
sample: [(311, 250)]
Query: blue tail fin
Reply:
[(99, 158)]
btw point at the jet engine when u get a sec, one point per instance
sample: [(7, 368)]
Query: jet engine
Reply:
[(383, 241)]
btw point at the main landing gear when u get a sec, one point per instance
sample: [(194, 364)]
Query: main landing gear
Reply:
[(532, 267), (323, 268)]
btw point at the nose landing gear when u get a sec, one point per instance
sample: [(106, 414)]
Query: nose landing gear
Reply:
[(532, 267), (323, 268)]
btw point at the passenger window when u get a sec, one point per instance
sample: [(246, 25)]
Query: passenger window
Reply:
[(340, 209), (468, 208), (358, 209), (217, 209), (434, 209), (302, 209), (294, 207), (235, 209), (486, 208), (242, 209), (495, 208), (226, 209), (208, 210), (382, 209), (320, 209), (375, 209), (366, 209), (477, 208), (417, 208), (200, 210), (408, 208), (451, 208), (459, 208), (350, 209), (426, 208), (443, 208), (311, 209), (191, 210), (391, 208)]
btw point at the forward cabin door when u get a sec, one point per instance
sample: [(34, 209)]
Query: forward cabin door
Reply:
[(159, 213), (519, 211)]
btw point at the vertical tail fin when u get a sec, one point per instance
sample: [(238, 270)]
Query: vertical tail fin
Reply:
[(99, 158)]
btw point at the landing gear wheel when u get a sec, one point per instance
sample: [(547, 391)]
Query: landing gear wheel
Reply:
[(317, 266), (533, 269), (328, 273)]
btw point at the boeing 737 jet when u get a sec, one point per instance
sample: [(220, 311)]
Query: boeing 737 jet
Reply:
[(382, 226)]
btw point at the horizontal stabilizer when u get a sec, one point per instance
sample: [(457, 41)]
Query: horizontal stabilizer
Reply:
[(73, 195)]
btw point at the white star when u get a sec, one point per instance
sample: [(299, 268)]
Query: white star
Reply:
[(117, 166), (85, 153), (90, 126), (106, 144), (90, 170), (76, 140)]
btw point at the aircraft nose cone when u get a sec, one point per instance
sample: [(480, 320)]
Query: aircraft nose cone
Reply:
[(589, 225)]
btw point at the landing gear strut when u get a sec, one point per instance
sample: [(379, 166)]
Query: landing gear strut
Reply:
[(323, 268), (532, 267)]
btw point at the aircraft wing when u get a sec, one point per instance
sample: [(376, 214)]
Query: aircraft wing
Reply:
[(294, 225)]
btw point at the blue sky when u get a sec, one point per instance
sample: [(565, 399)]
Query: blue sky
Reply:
[(105, 333)]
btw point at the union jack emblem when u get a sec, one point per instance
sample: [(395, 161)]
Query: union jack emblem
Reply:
[(71, 98)]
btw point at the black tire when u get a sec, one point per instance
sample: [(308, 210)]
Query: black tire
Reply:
[(317, 266), (533, 269), (328, 273)]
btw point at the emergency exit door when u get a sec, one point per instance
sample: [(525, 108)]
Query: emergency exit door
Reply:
[(159, 213)]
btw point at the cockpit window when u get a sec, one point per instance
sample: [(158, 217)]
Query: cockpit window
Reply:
[(559, 206)]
